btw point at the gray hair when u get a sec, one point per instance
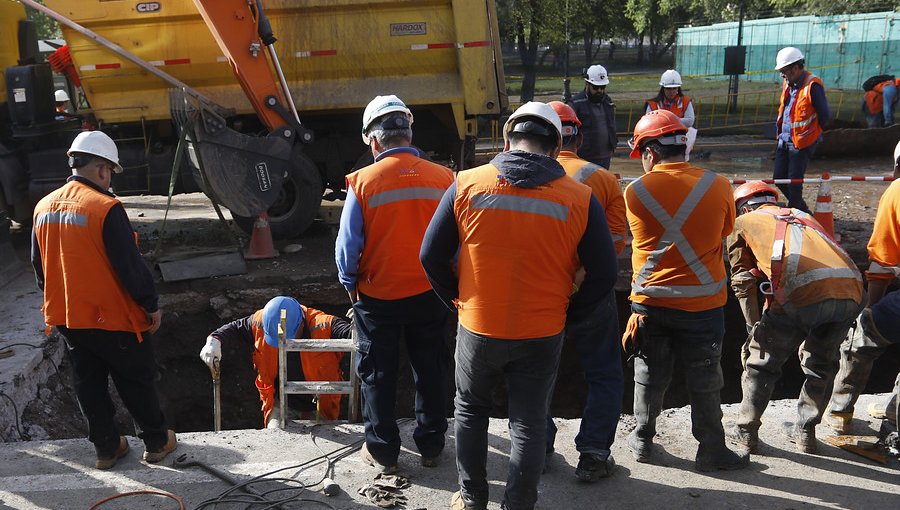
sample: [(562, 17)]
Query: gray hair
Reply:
[(388, 138)]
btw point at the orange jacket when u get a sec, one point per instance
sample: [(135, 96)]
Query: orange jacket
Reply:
[(678, 215), (81, 289), (874, 99), (813, 270), (317, 366), (884, 245), (605, 187), (805, 128), (398, 196), (677, 107), (518, 253)]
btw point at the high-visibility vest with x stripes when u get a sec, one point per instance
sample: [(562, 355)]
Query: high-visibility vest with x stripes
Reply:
[(518, 253), (803, 263), (398, 196), (678, 216), (605, 188)]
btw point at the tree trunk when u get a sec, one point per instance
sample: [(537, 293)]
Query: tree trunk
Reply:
[(640, 49), (528, 55), (588, 47)]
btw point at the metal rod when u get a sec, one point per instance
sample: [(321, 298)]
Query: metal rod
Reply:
[(285, 90)]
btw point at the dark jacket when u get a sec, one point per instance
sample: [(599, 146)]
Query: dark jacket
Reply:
[(596, 118)]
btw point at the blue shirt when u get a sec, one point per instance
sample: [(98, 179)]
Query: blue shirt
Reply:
[(819, 102)]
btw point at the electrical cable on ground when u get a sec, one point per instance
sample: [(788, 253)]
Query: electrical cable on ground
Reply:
[(135, 493)]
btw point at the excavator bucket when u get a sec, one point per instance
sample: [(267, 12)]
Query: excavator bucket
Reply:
[(242, 172)]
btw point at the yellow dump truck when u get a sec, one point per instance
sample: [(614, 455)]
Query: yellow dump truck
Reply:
[(442, 57)]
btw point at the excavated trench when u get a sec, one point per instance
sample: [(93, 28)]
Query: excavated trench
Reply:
[(186, 388)]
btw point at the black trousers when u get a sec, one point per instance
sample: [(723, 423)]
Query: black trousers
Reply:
[(96, 355)]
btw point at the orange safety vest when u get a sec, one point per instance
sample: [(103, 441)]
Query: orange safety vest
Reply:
[(605, 187), (678, 107), (805, 128), (317, 366), (398, 196), (518, 253), (884, 244), (874, 99), (81, 288), (804, 265), (678, 216)]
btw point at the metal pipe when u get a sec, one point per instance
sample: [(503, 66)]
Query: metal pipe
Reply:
[(285, 90)]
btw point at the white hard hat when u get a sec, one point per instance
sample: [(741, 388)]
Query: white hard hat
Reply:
[(96, 143), (596, 75), (382, 105), (897, 154), (542, 111), (61, 96), (670, 79), (786, 57)]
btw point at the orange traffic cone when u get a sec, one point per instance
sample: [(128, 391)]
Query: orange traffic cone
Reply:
[(823, 212), (261, 245)]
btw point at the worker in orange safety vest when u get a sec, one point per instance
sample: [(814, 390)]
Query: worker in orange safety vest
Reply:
[(261, 329), (878, 326), (679, 215), (813, 293), (880, 101), (503, 249), (802, 113), (595, 339), (384, 218), (99, 293)]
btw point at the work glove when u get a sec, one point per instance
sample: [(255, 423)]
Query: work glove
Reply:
[(631, 339), (382, 497), (211, 352)]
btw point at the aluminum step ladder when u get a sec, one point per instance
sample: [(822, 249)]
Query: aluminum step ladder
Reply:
[(349, 388)]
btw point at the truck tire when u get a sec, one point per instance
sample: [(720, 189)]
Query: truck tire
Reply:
[(297, 204)]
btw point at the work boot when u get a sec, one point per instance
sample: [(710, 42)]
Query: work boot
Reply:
[(593, 466), (720, 458), (641, 449), (839, 422), (370, 460), (746, 437), (431, 462), (156, 455), (647, 406), (457, 502), (805, 439), (106, 461)]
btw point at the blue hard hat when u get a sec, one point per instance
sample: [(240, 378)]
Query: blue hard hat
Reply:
[(272, 316)]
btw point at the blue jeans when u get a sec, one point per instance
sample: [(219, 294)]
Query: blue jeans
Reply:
[(694, 339), (596, 340), (529, 368), (817, 330), (886, 116), (791, 163), (886, 316), (421, 320)]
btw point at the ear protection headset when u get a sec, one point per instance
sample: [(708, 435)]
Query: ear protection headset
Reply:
[(78, 160)]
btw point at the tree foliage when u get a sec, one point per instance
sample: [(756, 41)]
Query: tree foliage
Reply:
[(47, 27)]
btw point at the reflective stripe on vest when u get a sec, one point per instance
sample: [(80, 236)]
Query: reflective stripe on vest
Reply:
[(586, 171), (804, 123), (674, 237), (396, 195), (520, 204), (69, 218), (792, 225), (876, 268)]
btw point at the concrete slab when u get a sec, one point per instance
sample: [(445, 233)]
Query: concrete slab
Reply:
[(34, 357), (59, 474)]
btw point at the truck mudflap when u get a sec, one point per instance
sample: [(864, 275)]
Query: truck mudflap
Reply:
[(244, 173)]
